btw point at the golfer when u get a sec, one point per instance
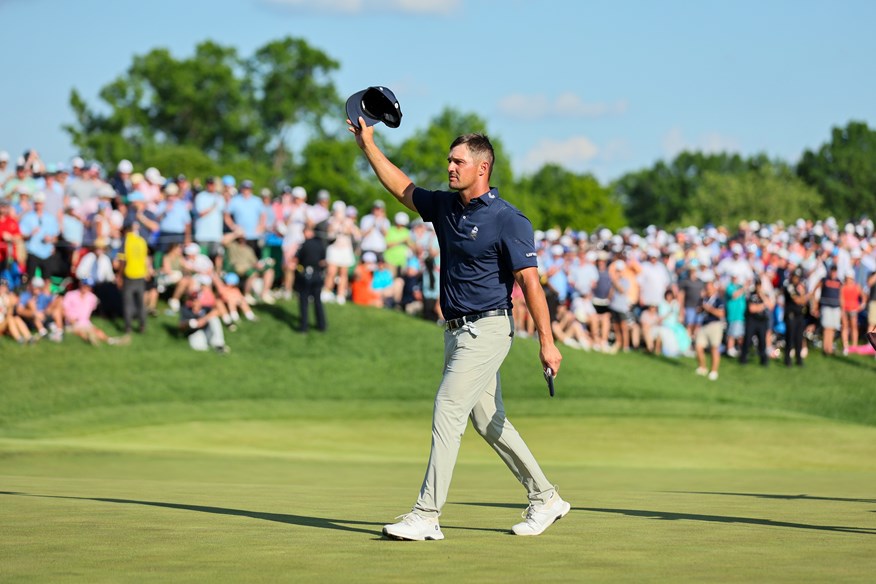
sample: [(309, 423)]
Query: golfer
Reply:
[(486, 245)]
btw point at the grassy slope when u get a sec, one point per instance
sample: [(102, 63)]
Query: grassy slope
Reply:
[(378, 364)]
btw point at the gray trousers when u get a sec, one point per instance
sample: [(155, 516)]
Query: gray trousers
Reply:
[(471, 389)]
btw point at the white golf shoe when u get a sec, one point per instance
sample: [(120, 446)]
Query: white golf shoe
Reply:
[(414, 527), (538, 518)]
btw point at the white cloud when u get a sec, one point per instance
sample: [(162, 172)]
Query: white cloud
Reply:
[(440, 7), (573, 153), (675, 142), (565, 105)]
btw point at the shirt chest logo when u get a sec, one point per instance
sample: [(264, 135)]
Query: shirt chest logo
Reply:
[(474, 232)]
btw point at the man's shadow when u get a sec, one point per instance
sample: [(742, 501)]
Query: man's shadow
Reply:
[(301, 520), (281, 314)]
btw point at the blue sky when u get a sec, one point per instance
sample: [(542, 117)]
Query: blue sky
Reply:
[(601, 87)]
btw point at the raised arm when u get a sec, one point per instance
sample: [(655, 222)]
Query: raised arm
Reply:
[(393, 179)]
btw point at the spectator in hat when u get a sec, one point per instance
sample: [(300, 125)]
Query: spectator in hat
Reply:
[(189, 265), (5, 173), (318, 214), (55, 203), (228, 288), (310, 279), (851, 301), (374, 227), (247, 213), (97, 267), (828, 308), (20, 181), (795, 302), (41, 310), (40, 230), (10, 323), (340, 253), (690, 290), (711, 332), (174, 219), (759, 303), (84, 184), (139, 216), (209, 218), (294, 220), (121, 180), (602, 292), (272, 245), (151, 186), (620, 306), (362, 290)]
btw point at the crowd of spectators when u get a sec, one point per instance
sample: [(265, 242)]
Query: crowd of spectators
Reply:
[(78, 241)]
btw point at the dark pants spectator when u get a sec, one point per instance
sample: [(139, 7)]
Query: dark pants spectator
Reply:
[(794, 325), (310, 287), (755, 328), (133, 296)]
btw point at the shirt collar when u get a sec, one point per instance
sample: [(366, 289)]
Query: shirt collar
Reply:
[(487, 198)]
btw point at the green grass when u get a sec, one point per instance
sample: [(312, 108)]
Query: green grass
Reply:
[(282, 460)]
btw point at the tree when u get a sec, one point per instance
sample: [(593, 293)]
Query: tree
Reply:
[(231, 109), (338, 166), (844, 171), (767, 194), (554, 196), (661, 195)]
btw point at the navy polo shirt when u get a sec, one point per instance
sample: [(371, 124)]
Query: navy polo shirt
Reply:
[(482, 245)]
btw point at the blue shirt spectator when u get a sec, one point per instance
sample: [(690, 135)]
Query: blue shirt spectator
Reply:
[(209, 215), (248, 213), (37, 226), (174, 216)]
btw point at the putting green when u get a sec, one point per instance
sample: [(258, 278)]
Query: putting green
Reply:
[(654, 500)]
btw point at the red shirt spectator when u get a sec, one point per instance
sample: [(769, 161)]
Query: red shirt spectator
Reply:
[(10, 234)]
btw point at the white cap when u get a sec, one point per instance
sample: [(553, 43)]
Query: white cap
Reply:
[(299, 192), (77, 162), (125, 167), (369, 257), (39, 197), (557, 249), (402, 218), (619, 265), (339, 206), (38, 282), (153, 176), (4, 156), (192, 249), (171, 189), (707, 276), (322, 195)]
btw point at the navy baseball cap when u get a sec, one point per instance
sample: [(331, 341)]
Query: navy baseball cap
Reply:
[(375, 104)]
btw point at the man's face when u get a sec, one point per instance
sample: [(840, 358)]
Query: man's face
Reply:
[(462, 168)]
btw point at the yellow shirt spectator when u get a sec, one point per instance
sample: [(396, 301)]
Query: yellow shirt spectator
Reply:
[(135, 256)]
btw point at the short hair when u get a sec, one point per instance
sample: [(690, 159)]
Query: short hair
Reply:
[(479, 145)]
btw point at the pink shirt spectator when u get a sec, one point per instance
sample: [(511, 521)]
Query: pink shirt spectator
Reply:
[(78, 306)]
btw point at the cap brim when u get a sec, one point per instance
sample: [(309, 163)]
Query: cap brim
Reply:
[(355, 111)]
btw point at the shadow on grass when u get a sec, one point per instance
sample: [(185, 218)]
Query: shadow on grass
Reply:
[(280, 314), (671, 516), (849, 360), (783, 497), (302, 520), (674, 361)]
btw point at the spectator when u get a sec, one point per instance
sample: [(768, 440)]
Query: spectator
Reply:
[(851, 301), (41, 310), (653, 280), (431, 290), (4, 169), (398, 243), (174, 219), (735, 306), (209, 213), (202, 326), (151, 186), (711, 332), (121, 181), (12, 249), (272, 244), (97, 266), (295, 218), (256, 274), (246, 213), (691, 297), (230, 294), (829, 307), (78, 306), (134, 267), (374, 227), (619, 304), (795, 301), (71, 238), (671, 338), (603, 289), (10, 323), (340, 257), (310, 279), (759, 305), (318, 214), (41, 231), (140, 219), (363, 292), (871, 301)]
